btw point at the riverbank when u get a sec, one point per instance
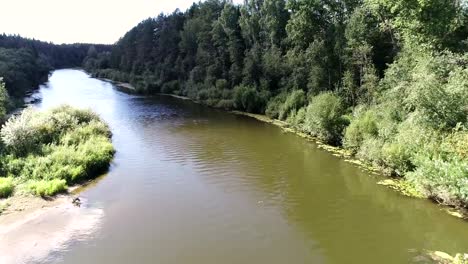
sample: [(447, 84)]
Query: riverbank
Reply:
[(32, 228)]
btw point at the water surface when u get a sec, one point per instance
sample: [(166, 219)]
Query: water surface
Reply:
[(190, 184)]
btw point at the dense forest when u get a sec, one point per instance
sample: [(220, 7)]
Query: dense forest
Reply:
[(25, 63), (385, 79)]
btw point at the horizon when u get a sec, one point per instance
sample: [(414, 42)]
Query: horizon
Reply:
[(98, 22)]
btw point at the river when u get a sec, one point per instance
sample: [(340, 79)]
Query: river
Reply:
[(190, 184)]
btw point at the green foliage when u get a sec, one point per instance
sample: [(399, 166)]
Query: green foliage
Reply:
[(362, 127), (247, 98), (4, 101), (297, 118), (324, 117), (294, 101), (395, 71), (47, 187), (274, 105), (26, 63), (6, 187), (60, 146)]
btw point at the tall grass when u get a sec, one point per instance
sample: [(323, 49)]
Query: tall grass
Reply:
[(46, 151)]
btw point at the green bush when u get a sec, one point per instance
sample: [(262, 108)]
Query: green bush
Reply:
[(370, 151), (297, 118), (47, 187), (362, 127), (170, 87), (324, 118), (294, 102), (4, 100), (61, 144), (441, 170), (247, 98), (6, 187), (274, 105), (444, 180)]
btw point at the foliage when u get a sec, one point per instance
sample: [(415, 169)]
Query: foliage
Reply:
[(6, 187), (26, 63), (60, 146), (4, 101), (47, 187), (294, 102), (247, 98), (362, 127), (324, 117), (386, 79)]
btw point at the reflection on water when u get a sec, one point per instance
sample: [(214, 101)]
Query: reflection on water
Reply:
[(191, 184)]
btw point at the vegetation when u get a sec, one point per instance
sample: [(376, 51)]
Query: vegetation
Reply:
[(6, 187), (43, 152), (26, 63), (387, 80)]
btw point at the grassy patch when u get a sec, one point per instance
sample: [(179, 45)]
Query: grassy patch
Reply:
[(6, 187), (47, 187), (46, 151)]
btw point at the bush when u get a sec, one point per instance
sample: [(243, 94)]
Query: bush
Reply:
[(297, 118), (6, 187), (445, 181), (274, 105), (47, 187), (61, 144), (441, 170), (362, 127), (324, 118), (170, 87), (247, 98), (294, 102)]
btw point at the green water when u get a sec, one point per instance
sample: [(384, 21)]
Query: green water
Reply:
[(190, 184)]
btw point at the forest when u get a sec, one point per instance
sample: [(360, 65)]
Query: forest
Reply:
[(26, 63), (387, 80)]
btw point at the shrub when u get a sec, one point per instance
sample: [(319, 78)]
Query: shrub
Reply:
[(210, 93), (4, 100), (61, 144), (274, 105), (20, 134), (170, 87), (297, 118), (294, 101), (362, 127), (6, 187), (47, 187), (247, 98), (324, 118), (444, 180), (370, 150)]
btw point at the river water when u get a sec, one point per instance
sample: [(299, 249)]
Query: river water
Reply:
[(190, 184)]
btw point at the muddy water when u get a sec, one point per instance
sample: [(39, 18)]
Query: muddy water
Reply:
[(191, 184)]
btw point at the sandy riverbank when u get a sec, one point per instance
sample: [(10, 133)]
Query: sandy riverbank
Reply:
[(31, 228)]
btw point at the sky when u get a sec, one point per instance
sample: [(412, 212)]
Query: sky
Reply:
[(84, 21)]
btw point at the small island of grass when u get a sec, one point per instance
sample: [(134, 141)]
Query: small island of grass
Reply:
[(44, 152)]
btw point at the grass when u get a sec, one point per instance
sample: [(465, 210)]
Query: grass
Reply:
[(43, 152), (47, 187), (6, 187)]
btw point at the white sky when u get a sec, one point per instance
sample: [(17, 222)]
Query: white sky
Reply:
[(85, 21)]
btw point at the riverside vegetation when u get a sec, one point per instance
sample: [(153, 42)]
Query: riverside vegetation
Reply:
[(44, 152), (386, 80)]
